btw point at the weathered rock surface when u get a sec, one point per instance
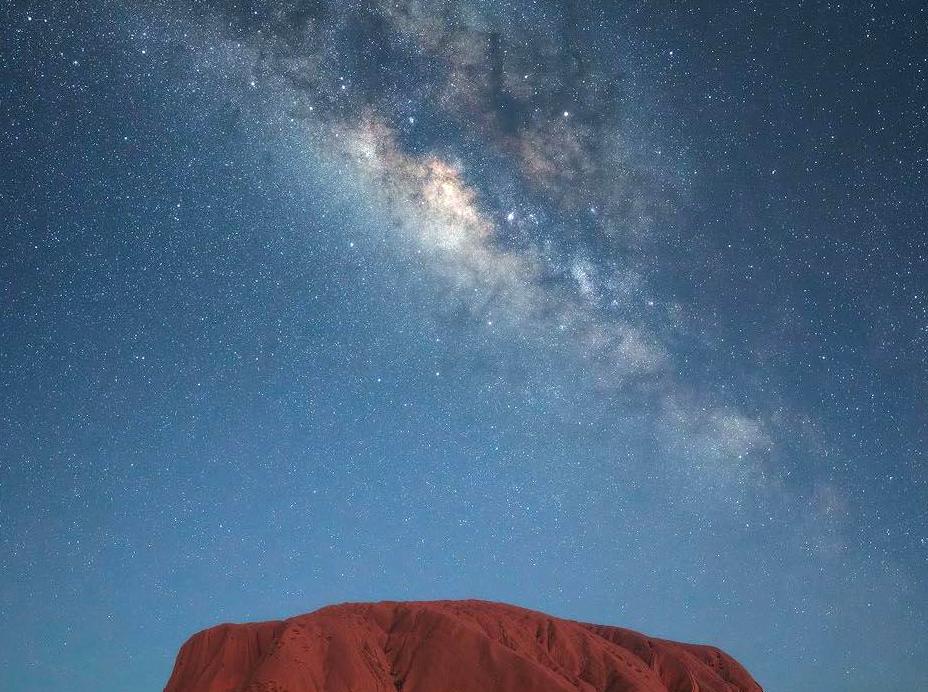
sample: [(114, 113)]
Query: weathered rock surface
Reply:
[(445, 646)]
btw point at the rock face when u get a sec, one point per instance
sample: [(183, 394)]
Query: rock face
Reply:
[(445, 646)]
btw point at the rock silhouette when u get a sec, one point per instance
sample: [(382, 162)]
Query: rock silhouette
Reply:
[(445, 646)]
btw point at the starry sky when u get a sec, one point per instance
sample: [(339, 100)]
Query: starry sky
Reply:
[(615, 310)]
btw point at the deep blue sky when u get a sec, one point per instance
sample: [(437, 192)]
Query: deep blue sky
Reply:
[(619, 313)]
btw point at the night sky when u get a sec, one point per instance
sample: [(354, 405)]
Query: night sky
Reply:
[(614, 310)]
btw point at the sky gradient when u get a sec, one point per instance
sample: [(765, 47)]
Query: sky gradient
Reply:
[(617, 311)]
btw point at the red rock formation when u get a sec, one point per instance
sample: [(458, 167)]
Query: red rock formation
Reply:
[(445, 646)]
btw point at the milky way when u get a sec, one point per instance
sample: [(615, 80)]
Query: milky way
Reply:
[(609, 310), (546, 234)]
